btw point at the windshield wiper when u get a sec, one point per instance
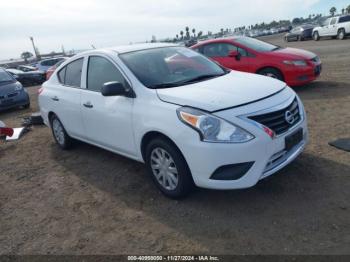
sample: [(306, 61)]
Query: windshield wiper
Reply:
[(202, 77), (276, 48), (165, 85)]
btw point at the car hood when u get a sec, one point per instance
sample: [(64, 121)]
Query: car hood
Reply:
[(292, 53), (7, 88), (231, 90)]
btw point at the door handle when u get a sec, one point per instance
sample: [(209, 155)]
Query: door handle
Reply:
[(55, 98), (88, 105)]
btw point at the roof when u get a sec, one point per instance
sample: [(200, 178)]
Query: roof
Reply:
[(138, 47)]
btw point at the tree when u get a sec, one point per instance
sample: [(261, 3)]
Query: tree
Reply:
[(222, 32), (25, 55), (332, 11), (343, 11), (296, 21), (187, 32), (182, 35), (348, 9), (199, 35), (194, 32), (177, 37)]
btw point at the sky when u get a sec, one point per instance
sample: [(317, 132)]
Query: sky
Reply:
[(78, 24)]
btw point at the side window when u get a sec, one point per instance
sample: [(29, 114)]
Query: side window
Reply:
[(71, 74), (326, 22), (218, 50), (334, 20), (100, 71), (61, 75), (344, 19)]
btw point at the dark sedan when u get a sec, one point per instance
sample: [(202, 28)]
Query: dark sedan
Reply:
[(28, 78), (12, 93), (299, 33)]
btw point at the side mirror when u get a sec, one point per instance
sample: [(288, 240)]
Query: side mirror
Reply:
[(113, 89), (235, 54)]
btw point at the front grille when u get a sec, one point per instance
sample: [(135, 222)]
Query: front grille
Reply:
[(276, 121), (12, 95)]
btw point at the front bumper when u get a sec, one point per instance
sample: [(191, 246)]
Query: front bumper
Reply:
[(21, 99), (267, 155), (297, 76)]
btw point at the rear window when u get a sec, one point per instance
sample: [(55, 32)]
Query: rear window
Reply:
[(344, 19), (70, 75)]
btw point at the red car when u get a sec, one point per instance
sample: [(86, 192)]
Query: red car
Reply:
[(294, 66)]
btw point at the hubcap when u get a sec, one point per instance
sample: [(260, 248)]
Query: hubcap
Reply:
[(164, 169), (58, 131)]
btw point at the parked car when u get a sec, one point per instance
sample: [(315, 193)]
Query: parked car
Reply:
[(299, 33), (52, 69), (44, 65), (12, 93), (294, 66), (26, 68), (333, 27), (191, 121), (28, 78)]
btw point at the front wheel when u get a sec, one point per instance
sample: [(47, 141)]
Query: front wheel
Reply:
[(168, 168), (59, 133), (341, 34), (271, 72)]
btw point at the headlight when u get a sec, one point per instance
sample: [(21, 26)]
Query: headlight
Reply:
[(295, 62), (211, 128), (18, 87)]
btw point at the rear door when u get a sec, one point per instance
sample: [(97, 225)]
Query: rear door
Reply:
[(65, 97), (108, 120)]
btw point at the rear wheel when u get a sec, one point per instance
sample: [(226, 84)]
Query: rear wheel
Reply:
[(341, 34), (59, 133), (271, 72), (316, 36), (168, 168)]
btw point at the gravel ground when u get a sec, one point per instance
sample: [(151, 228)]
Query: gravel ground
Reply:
[(90, 201)]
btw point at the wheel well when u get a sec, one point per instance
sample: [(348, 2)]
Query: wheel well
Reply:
[(149, 137), (51, 114), (270, 67), (341, 29)]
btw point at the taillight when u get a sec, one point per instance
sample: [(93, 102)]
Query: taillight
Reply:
[(6, 131), (40, 90)]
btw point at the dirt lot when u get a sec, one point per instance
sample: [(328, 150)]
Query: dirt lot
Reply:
[(90, 201)]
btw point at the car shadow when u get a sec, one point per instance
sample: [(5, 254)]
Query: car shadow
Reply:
[(323, 90), (296, 198)]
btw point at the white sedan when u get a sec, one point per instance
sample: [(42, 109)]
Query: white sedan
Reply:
[(189, 120)]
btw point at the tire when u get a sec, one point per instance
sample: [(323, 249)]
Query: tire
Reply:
[(316, 36), (271, 72), (163, 156), (341, 34), (59, 133), (286, 39), (299, 38), (26, 106)]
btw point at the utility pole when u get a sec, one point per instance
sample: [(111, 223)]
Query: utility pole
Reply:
[(35, 49)]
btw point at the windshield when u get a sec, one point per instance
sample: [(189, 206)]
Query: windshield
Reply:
[(256, 44), (170, 66), (5, 77)]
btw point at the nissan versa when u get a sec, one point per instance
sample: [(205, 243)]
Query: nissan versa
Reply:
[(190, 120)]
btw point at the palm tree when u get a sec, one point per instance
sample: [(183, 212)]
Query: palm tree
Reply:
[(200, 33), (348, 9), (222, 31), (182, 34), (194, 32), (343, 11), (187, 32), (332, 11), (177, 37)]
